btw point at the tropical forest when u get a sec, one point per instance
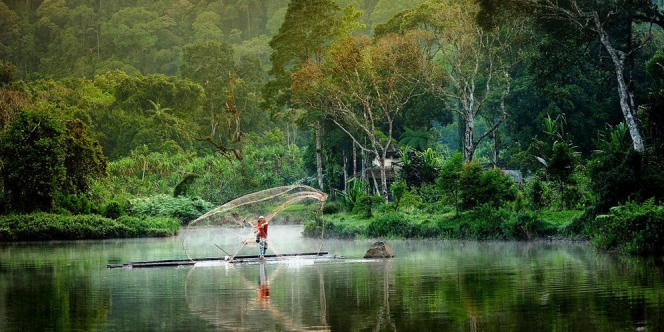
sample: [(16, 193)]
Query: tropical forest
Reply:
[(442, 119)]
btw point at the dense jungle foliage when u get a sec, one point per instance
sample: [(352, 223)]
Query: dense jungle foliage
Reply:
[(444, 118)]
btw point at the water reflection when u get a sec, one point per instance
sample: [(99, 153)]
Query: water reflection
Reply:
[(429, 285), (226, 297), (263, 286), (47, 297)]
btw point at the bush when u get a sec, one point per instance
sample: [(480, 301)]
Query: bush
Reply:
[(334, 228), (184, 208), (184, 186), (48, 226), (632, 228), (390, 225), (484, 223), (484, 187), (76, 204), (538, 194), (356, 189), (114, 210), (487, 223), (332, 208), (527, 225), (619, 176), (398, 189), (367, 205), (581, 225)]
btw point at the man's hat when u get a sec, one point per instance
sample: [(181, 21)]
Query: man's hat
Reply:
[(261, 217)]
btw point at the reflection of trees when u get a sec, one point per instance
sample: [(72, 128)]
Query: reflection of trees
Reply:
[(52, 298), (531, 287), (383, 317)]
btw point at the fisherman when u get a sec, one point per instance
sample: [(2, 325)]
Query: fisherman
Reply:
[(261, 236)]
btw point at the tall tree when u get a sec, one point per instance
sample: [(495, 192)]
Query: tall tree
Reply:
[(365, 87), (84, 160), (308, 28), (133, 34), (212, 64), (32, 154), (474, 65), (9, 33), (610, 23)]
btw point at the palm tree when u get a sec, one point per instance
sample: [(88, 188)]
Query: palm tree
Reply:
[(416, 139)]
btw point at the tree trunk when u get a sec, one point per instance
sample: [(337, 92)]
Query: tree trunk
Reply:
[(354, 160), (364, 165), (319, 160), (383, 175), (626, 101), (495, 148), (345, 171), (469, 138)]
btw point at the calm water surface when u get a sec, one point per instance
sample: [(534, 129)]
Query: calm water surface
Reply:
[(429, 285)]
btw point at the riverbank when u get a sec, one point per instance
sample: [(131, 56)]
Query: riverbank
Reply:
[(479, 224), (48, 226)]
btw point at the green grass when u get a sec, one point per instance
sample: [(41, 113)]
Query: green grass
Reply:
[(480, 224), (559, 217)]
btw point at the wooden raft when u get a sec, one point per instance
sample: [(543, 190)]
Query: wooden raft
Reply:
[(189, 262)]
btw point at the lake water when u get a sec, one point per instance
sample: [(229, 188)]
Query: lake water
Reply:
[(429, 285)]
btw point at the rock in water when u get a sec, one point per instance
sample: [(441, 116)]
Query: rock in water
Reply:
[(379, 249)]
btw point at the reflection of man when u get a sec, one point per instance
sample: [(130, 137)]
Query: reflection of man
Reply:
[(263, 286)]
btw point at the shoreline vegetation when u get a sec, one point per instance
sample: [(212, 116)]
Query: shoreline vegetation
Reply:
[(483, 224), (49, 226), (135, 118)]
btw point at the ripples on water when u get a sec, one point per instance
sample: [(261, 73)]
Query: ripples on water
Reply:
[(429, 285)]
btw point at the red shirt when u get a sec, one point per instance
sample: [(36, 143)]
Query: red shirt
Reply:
[(263, 292), (261, 228)]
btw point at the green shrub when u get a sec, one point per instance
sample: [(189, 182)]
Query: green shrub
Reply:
[(367, 205), (184, 186), (182, 207), (332, 208), (48, 226), (632, 228), (114, 210), (618, 176), (355, 190), (582, 225), (398, 190), (334, 228), (480, 187), (430, 194), (411, 199), (537, 194), (483, 223), (527, 225), (341, 230), (76, 204), (390, 225)]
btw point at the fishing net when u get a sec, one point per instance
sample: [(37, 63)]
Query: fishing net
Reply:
[(242, 213)]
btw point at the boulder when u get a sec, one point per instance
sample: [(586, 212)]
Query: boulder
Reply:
[(379, 249)]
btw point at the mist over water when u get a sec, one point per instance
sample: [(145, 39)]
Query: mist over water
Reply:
[(429, 285)]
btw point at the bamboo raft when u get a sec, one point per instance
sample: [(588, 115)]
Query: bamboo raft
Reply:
[(236, 259)]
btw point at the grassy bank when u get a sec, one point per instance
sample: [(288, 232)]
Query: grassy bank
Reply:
[(46, 226), (478, 224)]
